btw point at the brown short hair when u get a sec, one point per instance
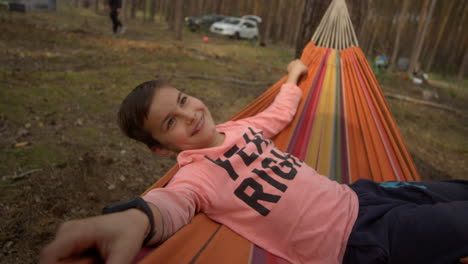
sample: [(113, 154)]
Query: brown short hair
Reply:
[(134, 110)]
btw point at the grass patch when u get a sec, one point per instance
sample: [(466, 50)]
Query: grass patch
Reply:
[(35, 156)]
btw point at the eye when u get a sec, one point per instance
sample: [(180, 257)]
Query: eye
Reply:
[(183, 100), (170, 123)]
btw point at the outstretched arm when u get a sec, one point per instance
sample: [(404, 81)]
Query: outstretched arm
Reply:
[(282, 110), (117, 237)]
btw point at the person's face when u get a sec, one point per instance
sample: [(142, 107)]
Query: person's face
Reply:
[(179, 122)]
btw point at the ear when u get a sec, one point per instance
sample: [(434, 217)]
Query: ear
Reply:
[(162, 151)]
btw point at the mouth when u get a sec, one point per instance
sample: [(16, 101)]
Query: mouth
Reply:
[(199, 125)]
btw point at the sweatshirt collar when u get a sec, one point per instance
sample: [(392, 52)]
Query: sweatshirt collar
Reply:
[(188, 156)]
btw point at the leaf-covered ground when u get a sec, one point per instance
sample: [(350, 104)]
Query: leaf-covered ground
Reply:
[(63, 75)]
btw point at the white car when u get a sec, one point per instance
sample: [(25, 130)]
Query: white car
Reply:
[(254, 18), (236, 27)]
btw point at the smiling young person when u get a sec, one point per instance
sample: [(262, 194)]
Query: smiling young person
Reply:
[(180, 122), (235, 175)]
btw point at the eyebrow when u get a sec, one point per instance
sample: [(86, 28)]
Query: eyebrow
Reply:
[(167, 116)]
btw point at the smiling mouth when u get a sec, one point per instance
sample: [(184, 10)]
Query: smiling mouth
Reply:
[(199, 126)]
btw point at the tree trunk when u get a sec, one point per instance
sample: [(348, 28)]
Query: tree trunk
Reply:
[(152, 10), (192, 8), (269, 20), (463, 67), (419, 36), (417, 53), (125, 8), (363, 32), (257, 6), (375, 33), (312, 14), (218, 6), (285, 27), (162, 10), (458, 41), (133, 9), (446, 15), (178, 19), (258, 10), (402, 18), (170, 14), (86, 3), (201, 4), (280, 15), (357, 12), (145, 10)]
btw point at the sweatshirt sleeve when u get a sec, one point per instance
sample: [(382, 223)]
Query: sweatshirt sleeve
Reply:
[(178, 203), (279, 114)]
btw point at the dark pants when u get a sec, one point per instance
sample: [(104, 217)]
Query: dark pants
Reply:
[(409, 222), (114, 15)]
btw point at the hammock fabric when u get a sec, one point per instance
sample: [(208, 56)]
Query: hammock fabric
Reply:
[(343, 129)]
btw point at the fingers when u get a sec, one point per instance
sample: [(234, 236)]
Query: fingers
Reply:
[(117, 237), (292, 64), (123, 252), (297, 65), (72, 238), (464, 260)]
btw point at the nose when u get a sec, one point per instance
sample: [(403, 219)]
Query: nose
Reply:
[(188, 116)]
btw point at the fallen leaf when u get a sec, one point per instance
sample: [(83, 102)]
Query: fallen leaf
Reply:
[(79, 122), (8, 245), (46, 221), (22, 144)]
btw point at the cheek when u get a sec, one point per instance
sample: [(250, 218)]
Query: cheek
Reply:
[(178, 134), (198, 104)]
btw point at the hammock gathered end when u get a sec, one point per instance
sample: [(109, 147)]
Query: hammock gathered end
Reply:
[(336, 30)]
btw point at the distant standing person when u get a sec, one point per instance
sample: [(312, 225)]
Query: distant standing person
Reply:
[(115, 6)]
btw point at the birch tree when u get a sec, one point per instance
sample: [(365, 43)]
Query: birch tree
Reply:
[(402, 18)]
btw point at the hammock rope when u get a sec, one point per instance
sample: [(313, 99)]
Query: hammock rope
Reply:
[(336, 30), (343, 128)]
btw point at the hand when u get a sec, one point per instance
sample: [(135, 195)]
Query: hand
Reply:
[(464, 260), (117, 237), (295, 69)]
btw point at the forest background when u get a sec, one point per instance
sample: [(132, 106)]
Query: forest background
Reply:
[(63, 75)]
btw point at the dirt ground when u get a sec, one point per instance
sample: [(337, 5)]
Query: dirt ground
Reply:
[(63, 75)]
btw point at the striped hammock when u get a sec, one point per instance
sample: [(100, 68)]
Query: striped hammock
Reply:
[(343, 129)]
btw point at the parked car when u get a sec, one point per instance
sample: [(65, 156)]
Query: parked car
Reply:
[(255, 18), (203, 22), (236, 28)]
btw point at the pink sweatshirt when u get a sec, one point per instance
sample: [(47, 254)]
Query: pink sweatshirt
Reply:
[(267, 196)]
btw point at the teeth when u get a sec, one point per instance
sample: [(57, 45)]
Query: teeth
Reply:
[(199, 124)]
